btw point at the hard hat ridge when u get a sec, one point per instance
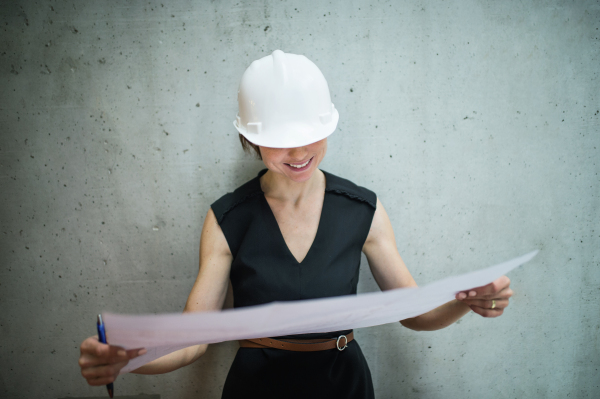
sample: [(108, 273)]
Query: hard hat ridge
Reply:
[(279, 66), (284, 102)]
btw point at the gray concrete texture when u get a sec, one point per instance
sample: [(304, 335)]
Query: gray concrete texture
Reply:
[(476, 123)]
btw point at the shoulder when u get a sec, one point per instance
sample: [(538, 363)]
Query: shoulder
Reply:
[(230, 201), (349, 189)]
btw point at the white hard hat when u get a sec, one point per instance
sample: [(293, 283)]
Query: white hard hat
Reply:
[(284, 102)]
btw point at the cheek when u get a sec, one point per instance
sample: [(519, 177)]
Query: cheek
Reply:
[(321, 149), (272, 156)]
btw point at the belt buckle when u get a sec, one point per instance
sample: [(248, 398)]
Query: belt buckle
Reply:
[(337, 343)]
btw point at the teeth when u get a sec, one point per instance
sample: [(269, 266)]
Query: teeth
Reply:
[(299, 166)]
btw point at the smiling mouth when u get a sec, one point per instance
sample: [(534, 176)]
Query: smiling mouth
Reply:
[(299, 165)]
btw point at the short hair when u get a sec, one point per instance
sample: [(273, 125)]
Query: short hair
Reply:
[(250, 147)]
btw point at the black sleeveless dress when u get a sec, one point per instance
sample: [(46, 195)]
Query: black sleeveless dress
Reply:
[(264, 270)]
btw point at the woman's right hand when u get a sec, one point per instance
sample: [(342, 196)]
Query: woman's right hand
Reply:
[(100, 363)]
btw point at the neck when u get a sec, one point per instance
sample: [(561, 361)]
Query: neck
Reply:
[(280, 187)]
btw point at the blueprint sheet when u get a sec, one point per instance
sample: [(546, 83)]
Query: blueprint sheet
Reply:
[(163, 334)]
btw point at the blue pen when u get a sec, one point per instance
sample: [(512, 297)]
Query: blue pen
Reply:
[(102, 338)]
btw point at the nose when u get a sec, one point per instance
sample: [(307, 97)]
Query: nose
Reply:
[(298, 153)]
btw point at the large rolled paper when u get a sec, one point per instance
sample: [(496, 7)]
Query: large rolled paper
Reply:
[(163, 334)]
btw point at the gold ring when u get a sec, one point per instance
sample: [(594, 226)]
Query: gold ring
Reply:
[(493, 304)]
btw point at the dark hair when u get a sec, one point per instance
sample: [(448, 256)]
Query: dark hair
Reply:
[(250, 147)]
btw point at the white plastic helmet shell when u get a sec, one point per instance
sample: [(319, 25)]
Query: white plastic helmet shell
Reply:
[(284, 102)]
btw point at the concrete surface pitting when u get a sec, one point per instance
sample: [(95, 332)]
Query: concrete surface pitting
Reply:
[(476, 123)]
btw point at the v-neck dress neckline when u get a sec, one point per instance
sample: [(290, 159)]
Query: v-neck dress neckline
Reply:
[(263, 268), (277, 230), (279, 235)]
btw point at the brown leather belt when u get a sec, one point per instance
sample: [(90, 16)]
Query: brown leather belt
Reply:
[(299, 345)]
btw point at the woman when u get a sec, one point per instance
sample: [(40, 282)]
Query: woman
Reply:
[(293, 232)]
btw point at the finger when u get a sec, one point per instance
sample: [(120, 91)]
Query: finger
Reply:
[(490, 290), (487, 312), (103, 370), (102, 380), (506, 293), (469, 294), (133, 353), (488, 303), (96, 348), (94, 352), (89, 344), (116, 354), (87, 360), (461, 295), (494, 287), (465, 294)]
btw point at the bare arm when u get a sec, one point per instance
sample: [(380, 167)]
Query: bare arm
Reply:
[(208, 293), (100, 363), (390, 272)]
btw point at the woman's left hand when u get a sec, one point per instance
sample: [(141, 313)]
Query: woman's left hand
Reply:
[(489, 300)]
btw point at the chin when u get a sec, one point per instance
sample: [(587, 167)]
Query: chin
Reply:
[(300, 177)]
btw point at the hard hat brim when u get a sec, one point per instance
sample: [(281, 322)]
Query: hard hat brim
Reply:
[(299, 138)]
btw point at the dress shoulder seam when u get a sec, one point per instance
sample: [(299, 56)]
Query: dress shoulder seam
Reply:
[(229, 201), (349, 189), (353, 196), (235, 203)]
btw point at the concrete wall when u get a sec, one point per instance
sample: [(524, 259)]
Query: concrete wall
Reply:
[(476, 123)]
